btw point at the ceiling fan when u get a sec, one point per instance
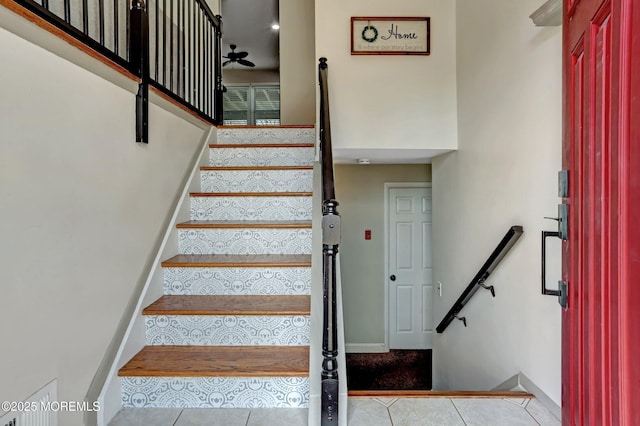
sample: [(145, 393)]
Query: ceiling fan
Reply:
[(238, 57)]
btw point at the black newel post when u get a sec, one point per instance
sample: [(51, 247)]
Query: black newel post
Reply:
[(330, 382), (219, 89), (330, 243), (139, 59)]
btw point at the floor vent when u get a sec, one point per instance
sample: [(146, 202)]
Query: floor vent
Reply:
[(34, 411)]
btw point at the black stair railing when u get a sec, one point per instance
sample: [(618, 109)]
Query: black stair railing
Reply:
[(330, 244), (171, 45), (479, 280)]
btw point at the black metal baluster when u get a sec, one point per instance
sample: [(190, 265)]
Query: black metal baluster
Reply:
[(85, 17), (171, 57), (178, 48), (199, 69), (209, 67), (164, 43), (187, 96), (139, 57), (156, 42), (45, 4), (217, 118), (182, 48), (67, 11), (127, 18), (116, 26), (101, 20), (194, 84)]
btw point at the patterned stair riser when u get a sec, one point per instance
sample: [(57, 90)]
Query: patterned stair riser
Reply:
[(215, 392), (237, 281), (227, 330), (238, 330), (221, 157), (266, 136), (257, 181), (245, 241), (251, 208)]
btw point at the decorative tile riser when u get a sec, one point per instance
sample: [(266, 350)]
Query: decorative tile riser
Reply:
[(237, 281), (266, 135), (245, 241), (221, 157), (215, 392), (227, 330), (250, 208), (257, 181)]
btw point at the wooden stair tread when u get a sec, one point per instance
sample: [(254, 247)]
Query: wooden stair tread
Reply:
[(438, 394), (219, 361), (243, 168), (238, 260), (245, 224), (251, 194), (263, 145), (230, 305)]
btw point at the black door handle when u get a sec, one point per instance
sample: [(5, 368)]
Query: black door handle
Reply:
[(392, 277)]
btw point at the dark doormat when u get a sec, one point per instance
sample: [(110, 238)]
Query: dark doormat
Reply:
[(394, 370)]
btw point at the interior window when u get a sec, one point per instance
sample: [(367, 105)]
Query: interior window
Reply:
[(252, 105)]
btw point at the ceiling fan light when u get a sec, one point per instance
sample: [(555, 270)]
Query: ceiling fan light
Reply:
[(275, 27)]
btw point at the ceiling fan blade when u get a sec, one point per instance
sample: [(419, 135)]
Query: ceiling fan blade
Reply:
[(225, 63), (241, 55), (246, 63)]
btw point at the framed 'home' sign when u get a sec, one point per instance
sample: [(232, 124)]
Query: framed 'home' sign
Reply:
[(390, 36)]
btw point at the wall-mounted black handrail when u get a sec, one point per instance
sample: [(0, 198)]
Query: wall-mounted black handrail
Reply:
[(173, 46), (508, 241), (330, 243)]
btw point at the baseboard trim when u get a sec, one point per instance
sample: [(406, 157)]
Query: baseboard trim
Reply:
[(437, 394), (522, 382), (365, 348)]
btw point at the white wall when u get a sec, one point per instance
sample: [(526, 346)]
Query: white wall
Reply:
[(250, 76), (297, 62), (504, 173), (83, 208), (379, 102)]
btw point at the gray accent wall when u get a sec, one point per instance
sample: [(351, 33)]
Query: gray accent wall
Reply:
[(360, 192)]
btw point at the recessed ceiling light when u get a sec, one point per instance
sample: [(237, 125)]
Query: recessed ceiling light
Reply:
[(275, 27), (363, 161)]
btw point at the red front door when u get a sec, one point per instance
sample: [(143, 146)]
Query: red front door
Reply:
[(601, 258)]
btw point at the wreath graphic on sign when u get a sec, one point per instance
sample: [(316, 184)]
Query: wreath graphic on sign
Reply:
[(369, 33)]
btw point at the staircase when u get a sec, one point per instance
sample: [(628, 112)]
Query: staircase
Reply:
[(233, 326)]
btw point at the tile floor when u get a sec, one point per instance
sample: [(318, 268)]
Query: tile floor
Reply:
[(362, 412)]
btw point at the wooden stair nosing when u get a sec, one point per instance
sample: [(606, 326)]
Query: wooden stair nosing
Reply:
[(263, 145), (438, 394), (265, 224), (252, 168), (238, 261), (219, 361), (270, 305), (251, 194)]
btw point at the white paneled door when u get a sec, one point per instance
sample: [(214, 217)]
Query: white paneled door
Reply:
[(410, 279)]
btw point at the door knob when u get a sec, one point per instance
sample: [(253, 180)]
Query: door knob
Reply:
[(392, 277)]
